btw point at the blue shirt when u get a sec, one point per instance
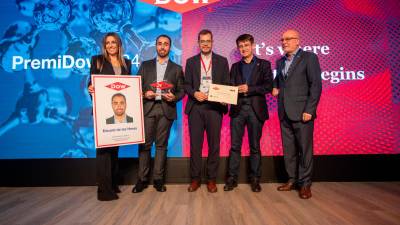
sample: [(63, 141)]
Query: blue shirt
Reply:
[(247, 68), (288, 62)]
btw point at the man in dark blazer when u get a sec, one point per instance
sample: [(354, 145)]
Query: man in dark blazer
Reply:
[(118, 104), (254, 78), (298, 87), (159, 108), (202, 70)]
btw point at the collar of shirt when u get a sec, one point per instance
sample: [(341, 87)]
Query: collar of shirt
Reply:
[(206, 58), (289, 58), (251, 62), (165, 61), (123, 121)]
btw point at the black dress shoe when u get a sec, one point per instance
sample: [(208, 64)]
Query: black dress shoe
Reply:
[(140, 186), (255, 186), (230, 184), (101, 196), (159, 186), (116, 189)]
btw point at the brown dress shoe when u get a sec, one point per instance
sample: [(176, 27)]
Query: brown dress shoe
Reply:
[(211, 187), (194, 186), (286, 187), (305, 192)]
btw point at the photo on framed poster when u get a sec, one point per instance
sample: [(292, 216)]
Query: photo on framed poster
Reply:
[(117, 110)]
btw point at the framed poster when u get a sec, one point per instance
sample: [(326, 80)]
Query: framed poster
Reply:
[(117, 110)]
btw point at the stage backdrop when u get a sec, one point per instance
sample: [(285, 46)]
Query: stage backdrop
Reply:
[(45, 49)]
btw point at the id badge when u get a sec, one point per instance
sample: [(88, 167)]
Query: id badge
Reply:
[(205, 84)]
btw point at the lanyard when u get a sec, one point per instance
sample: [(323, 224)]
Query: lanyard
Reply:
[(204, 66)]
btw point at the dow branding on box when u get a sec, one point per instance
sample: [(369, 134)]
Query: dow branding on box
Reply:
[(180, 6)]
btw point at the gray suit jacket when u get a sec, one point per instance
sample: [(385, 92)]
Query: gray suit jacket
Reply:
[(111, 120), (173, 74), (301, 91)]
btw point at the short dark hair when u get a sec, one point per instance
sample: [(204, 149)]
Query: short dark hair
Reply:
[(164, 36), (118, 94), (245, 37), (204, 32)]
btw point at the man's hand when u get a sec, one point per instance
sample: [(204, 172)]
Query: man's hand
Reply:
[(306, 117), (244, 88), (91, 89), (200, 96), (169, 97), (275, 92), (150, 95)]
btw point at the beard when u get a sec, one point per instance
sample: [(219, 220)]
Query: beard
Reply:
[(206, 52), (162, 54), (119, 112)]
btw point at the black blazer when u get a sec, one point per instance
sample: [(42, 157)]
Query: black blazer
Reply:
[(107, 67), (301, 92), (260, 83), (220, 75), (112, 121), (173, 74)]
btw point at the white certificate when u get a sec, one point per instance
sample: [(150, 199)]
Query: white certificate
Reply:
[(117, 110), (223, 94)]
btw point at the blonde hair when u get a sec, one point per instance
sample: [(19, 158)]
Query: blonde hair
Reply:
[(105, 55)]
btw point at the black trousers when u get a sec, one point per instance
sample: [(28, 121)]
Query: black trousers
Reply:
[(204, 118), (297, 140), (157, 128), (107, 169), (246, 117)]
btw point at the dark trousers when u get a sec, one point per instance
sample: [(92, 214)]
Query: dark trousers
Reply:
[(246, 117), (297, 140), (107, 169), (203, 118), (157, 128)]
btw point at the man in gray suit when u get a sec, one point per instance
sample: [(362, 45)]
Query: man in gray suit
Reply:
[(159, 108), (118, 104), (298, 87)]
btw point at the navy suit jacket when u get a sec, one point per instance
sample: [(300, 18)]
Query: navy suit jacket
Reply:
[(260, 83), (301, 91)]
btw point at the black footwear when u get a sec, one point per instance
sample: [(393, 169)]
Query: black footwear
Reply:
[(230, 184), (101, 196), (140, 186), (159, 186), (255, 185), (116, 189)]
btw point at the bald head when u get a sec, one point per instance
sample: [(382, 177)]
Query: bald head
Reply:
[(290, 41), (292, 33)]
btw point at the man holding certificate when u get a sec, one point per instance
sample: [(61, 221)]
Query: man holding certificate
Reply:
[(253, 76), (162, 82), (201, 71)]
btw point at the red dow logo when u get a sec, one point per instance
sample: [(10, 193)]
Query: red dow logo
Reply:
[(180, 6), (117, 86)]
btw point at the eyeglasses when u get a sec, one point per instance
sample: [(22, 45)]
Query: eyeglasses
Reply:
[(204, 42), (287, 39)]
